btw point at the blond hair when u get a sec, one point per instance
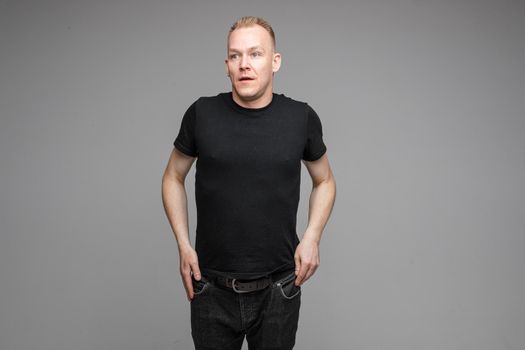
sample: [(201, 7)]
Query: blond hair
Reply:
[(248, 21)]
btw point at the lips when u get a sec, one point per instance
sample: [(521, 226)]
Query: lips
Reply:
[(245, 78)]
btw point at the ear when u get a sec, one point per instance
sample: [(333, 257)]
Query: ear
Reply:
[(226, 67), (276, 62)]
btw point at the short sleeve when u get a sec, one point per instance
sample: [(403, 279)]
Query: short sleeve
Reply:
[(185, 141), (314, 147)]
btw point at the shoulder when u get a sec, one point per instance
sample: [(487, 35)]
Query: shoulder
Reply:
[(210, 101), (289, 100), (211, 98), (301, 107), (298, 103)]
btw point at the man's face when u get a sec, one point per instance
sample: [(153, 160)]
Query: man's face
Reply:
[(250, 65)]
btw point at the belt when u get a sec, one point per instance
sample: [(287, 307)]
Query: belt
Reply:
[(246, 286)]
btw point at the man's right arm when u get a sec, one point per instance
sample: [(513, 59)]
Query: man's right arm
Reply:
[(176, 207)]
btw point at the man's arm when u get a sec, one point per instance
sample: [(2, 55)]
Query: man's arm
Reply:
[(175, 205), (320, 207)]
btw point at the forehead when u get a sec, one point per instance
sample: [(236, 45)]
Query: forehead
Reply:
[(248, 37)]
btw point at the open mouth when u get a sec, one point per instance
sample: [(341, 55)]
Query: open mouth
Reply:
[(246, 79)]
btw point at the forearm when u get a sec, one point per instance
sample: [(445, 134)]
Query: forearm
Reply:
[(320, 207), (175, 205)]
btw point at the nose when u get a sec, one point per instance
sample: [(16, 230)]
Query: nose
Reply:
[(244, 62)]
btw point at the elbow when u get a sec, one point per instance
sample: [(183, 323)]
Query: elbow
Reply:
[(328, 180), (169, 180)]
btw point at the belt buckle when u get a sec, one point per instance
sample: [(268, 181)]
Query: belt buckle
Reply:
[(236, 290)]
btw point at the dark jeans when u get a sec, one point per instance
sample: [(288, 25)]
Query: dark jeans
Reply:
[(221, 317)]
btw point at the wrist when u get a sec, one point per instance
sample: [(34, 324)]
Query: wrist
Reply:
[(311, 236), (183, 247)]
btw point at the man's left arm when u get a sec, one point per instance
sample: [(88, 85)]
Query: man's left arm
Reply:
[(320, 207)]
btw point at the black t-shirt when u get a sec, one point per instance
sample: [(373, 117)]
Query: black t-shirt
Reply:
[(247, 180)]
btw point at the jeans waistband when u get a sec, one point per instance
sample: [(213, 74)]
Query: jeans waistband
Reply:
[(249, 284)]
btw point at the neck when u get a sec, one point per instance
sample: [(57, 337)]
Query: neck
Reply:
[(258, 102)]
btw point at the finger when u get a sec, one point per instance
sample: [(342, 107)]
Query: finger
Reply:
[(313, 269), (297, 264), (188, 285), (301, 275), (310, 270), (297, 260), (309, 274)]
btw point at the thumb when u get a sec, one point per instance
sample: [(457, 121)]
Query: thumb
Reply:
[(196, 271)]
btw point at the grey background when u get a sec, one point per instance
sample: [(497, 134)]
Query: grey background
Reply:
[(422, 104)]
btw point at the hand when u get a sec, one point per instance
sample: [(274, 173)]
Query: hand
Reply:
[(306, 260), (189, 263)]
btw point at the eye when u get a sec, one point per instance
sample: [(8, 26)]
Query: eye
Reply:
[(233, 56), (256, 53)]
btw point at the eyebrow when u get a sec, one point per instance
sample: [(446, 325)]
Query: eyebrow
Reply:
[(249, 49)]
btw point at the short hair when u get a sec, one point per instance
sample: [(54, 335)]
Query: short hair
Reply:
[(248, 21)]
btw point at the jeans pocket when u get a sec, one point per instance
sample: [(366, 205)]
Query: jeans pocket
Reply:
[(288, 288), (199, 286)]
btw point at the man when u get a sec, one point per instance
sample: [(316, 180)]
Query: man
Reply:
[(244, 278)]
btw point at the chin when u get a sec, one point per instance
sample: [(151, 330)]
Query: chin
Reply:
[(247, 95)]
